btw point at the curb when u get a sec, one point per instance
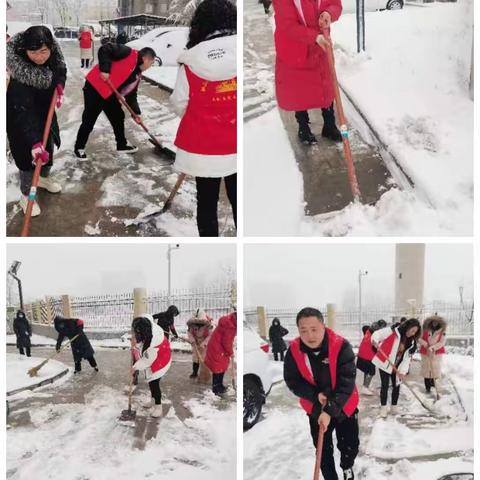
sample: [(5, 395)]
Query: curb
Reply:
[(47, 381), (158, 84)]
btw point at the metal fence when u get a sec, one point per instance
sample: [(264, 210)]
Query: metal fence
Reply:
[(349, 322)]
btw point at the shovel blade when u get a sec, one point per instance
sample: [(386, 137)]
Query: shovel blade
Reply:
[(163, 151), (128, 415)]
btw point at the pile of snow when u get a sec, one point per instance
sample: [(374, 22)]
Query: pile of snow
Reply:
[(34, 339), (18, 366)]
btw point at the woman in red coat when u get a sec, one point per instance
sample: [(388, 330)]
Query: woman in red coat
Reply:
[(302, 76), (85, 39), (220, 350)]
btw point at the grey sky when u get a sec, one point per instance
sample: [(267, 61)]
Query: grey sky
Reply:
[(104, 268), (299, 275)]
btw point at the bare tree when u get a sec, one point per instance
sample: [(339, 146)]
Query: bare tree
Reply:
[(77, 7), (63, 9)]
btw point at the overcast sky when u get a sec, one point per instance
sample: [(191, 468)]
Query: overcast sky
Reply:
[(295, 276), (92, 269)]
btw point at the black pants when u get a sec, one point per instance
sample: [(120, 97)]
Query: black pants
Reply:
[(275, 355), (91, 361), (94, 106), (328, 115), (85, 62), (367, 380), (217, 382), (429, 383), (385, 378), (208, 191), (347, 444), (154, 386), (27, 349)]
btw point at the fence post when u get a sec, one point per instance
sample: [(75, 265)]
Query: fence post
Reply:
[(262, 322), (331, 311), (66, 306), (49, 310), (139, 302), (37, 312)]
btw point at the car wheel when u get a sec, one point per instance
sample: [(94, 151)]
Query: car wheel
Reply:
[(395, 4), (252, 403)]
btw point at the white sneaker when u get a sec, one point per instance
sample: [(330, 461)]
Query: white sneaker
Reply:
[(384, 411), (366, 391), (49, 184), (24, 202), (394, 410), (149, 403), (157, 411)]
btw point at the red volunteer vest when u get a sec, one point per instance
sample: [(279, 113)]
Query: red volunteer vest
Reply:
[(335, 343), (386, 346), (423, 350), (163, 356), (121, 70), (209, 124), (86, 40), (365, 349)]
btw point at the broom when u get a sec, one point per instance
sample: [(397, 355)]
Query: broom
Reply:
[(34, 371)]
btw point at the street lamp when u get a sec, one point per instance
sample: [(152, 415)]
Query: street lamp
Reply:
[(169, 258), (361, 273), (12, 271)]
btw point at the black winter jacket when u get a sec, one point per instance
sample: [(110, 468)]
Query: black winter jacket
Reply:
[(69, 327), (28, 98), (166, 321), (276, 334), (22, 330), (346, 373)]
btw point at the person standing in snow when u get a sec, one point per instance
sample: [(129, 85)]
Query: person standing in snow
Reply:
[(85, 39), (276, 334), (220, 350), (395, 346), (155, 358), (205, 97), (166, 320), (37, 69), (23, 331), (199, 330), (366, 352), (432, 350), (319, 368), (81, 347), (302, 75), (123, 66)]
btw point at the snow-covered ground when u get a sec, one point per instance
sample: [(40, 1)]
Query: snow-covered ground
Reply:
[(413, 446), (412, 85), (17, 367)]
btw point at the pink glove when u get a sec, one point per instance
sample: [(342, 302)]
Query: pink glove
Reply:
[(60, 95), (39, 154)]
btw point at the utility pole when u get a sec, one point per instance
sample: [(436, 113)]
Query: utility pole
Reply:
[(360, 12), (361, 273), (169, 259), (13, 273)]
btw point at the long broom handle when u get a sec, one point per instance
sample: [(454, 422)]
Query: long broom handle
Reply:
[(180, 179), (195, 346), (395, 370), (38, 167), (318, 455), (352, 176)]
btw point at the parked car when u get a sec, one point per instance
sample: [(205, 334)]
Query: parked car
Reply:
[(168, 43), (350, 6), (257, 377)]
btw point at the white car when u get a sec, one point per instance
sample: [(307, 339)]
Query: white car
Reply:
[(350, 6), (258, 376), (168, 43)]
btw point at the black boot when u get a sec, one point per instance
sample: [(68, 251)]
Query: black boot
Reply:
[(194, 373), (330, 130), (348, 474), (304, 133)]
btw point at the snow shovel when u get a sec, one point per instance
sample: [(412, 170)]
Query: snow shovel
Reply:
[(352, 176), (127, 417), (38, 167), (204, 374), (159, 148), (318, 456), (414, 393), (34, 371), (437, 395), (166, 206)]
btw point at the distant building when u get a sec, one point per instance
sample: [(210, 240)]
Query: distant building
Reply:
[(151, 7)]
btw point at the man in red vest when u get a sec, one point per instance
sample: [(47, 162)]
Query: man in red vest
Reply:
[(320, 369), (123, 66)]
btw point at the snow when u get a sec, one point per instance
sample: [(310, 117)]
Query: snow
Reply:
[(88, 442), (166, 76), (18, 365), (413, 89), (35, 340)]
